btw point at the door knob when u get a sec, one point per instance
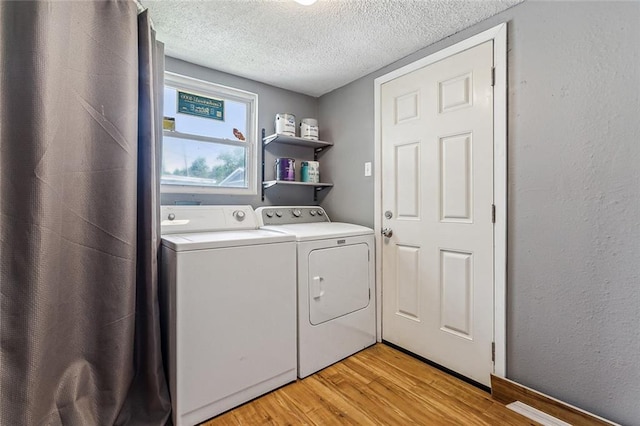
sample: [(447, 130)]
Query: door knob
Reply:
[(387, 232)]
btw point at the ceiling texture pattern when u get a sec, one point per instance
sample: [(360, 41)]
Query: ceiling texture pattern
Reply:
[(308, 49)]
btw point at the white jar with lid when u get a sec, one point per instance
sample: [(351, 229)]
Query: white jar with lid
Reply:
[(309, 128), (285, 124)]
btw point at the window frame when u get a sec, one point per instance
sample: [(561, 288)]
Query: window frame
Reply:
[(215, 90)]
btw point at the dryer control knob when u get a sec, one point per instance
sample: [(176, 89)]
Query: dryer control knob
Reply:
[(239, 215), (320, 212), (269, 213), (297, 212), (278, 213), (312, 212)]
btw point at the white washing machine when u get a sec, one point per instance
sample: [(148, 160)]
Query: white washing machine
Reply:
[(336, 284), (228, 298)]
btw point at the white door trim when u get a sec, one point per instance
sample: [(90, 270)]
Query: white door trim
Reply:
[(499, 36)]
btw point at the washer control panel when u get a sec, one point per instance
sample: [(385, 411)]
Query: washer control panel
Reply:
[(284, 215), (186, 219)]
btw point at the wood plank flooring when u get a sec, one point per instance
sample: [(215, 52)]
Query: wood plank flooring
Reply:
[(378, 386)]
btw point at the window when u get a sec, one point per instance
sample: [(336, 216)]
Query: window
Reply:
[(211, 144)]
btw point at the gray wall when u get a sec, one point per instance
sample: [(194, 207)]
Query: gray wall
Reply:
[(271, 100), (574, 195)]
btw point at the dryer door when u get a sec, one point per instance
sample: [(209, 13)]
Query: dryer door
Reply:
[(338, 281)]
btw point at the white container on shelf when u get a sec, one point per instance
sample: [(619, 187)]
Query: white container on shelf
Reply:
[(310, 171), (309, 128), (285, 124)]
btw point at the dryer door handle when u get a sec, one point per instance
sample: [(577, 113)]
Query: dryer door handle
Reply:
[(316, 288)]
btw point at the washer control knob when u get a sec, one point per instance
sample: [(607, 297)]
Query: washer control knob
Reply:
[(312, 212), (172, 216), (269, 213), (297, 212), (278, 213), (239, 215), (320, 212)]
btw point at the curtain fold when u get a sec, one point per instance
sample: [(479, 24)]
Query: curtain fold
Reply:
[(79, 327), (149, 378)]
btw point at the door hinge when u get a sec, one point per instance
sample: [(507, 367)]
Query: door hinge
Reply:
[(493, 213), (493, 76), (493, 351)]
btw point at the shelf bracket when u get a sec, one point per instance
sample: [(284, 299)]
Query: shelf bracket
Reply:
[(315, 155), (264, 134), (315, 192)]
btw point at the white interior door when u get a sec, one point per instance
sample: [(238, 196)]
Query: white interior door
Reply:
[(437, 197)]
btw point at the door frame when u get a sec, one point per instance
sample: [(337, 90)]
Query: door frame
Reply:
[(499, 36)]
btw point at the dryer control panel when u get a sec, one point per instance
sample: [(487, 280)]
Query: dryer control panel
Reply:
[(285, 215)]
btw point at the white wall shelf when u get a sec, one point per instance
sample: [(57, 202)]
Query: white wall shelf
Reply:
[(318, 146), (318, 185), (291, 140)]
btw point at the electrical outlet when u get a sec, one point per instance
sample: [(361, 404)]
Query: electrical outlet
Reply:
[(367, 168)]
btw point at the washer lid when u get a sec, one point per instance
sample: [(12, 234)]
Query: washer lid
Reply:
[(319, 231), (223, 239)]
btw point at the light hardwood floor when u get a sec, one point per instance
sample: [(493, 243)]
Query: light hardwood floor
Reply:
[(378, 386)]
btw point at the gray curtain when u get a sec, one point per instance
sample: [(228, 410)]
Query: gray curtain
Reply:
[(79, 327)]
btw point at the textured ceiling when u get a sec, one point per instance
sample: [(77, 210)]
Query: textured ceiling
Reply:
[(308, 49)]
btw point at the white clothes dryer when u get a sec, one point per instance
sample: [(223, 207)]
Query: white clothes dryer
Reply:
[(228, 303), (336, 284)]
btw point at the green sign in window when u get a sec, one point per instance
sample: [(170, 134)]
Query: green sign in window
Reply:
[(200, 106)]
